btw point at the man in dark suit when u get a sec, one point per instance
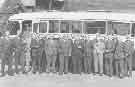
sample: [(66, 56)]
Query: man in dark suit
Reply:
[(88, 51)]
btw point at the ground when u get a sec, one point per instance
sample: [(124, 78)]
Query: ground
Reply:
[(54, 80)]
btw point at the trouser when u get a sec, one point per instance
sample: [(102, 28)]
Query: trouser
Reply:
[(66, 63), (36, 63), (51, 60), (22, 61), (109, 66), (16, 64), (28, 59), (36, 55), (61, 64), (119, 66), (63, 61), (17, 61), (8, 61), (98, 62), (128, 65), (88, 64), (42, 60), (77, 64)]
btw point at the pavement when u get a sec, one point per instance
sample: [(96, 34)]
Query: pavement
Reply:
[(69, 80)]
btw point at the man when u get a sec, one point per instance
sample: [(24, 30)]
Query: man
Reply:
[(35, 55), (22, 56), (61, 49), (67, 54), (17, 46), (41, 55), (98, 51), (88, 50), (27, 40), (119, 59), (6, 55), (109, 52), (64, 54), (77, 55), (128, 51), (51, 54)]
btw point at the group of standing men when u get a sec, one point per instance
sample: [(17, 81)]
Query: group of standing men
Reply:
[(108, 56)]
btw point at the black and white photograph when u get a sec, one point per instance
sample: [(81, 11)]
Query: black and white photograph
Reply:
[(67, 43)]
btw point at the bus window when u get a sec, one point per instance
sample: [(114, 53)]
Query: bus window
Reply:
[(27, 26), (110, 30), (54, 26), (133, 30), (92, 27), (121, 28), (42, 27), (64, 27), (13, 27), (76, 27), (35, 27)]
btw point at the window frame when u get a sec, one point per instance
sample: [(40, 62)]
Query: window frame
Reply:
[(18, 29), (122, 22), (87, 21), (59, 23), (43, 21)]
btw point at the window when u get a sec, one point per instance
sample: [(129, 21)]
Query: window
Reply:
[(13, 27), (121, 28), (76, 27), (35, 27), (93, 27), (42, 27), (54, 26), (133, 30), (27, 26), (64, 27)]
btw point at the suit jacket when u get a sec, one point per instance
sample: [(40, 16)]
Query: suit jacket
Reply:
[(51, 47), (128, 48), (65, 47), (109, 48), (88, 48), (76, 50), (99, 47), (119, 52)]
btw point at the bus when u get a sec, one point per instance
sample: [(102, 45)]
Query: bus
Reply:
[(73, 24)]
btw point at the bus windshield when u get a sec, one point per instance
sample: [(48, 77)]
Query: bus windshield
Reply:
[(13, 27)]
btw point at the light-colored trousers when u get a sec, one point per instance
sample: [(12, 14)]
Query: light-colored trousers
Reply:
[(98, 62), (128, 64), (63, 61), (51, 60)]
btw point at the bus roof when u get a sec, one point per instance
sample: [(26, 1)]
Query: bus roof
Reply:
[(112, 16)]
